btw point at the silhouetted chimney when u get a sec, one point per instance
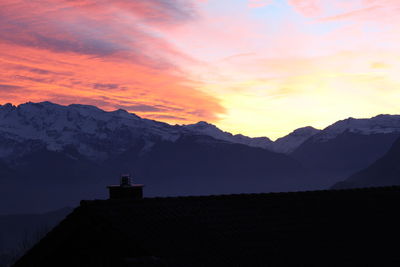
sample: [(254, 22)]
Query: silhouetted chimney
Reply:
[(126, 190)]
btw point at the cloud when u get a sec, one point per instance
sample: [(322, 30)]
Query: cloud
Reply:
[(100, 52), (357, 10), (259, 3), (362, 13), (7, 87), (379, 65), (33, 79), (37, 70), (167, 117), (105, 86), (118, 28), (105, 83), (143, 108), (310, 8)]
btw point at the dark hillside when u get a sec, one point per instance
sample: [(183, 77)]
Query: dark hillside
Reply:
[(383, 172), (19, 232), (337, 158), (198, 165), (193, 165)]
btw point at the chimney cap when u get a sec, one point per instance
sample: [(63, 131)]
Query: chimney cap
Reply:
[(126, 181), (126, 189)]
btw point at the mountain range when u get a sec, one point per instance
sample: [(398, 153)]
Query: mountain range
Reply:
[(53, 156), (348, 146), (57, 126)]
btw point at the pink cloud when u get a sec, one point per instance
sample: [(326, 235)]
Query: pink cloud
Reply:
[(259, 3), (345, 10), (109, 53), (99, 28), (309, 8)]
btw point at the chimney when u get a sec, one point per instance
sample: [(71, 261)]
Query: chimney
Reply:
[(126, 189)]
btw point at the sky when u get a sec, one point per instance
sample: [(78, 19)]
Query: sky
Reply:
[(256, 67)]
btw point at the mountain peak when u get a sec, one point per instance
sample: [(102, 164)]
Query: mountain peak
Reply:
[(308, 130), (81, 106), (45, 103), (125, 114), (379, 124), (291, 141), (203, 124), (42, 104), (86, 127), (7, 106), (209, 129)]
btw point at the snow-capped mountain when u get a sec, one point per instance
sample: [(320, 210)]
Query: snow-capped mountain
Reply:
[(98, 134), (94, 132), (381, 124), (208, 129), (290, 142), (348, 146)]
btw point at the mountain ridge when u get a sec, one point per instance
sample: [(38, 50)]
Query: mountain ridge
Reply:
[(57, 126), (57, 121)]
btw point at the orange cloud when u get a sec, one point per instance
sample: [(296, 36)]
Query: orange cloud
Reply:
[(102, 53)]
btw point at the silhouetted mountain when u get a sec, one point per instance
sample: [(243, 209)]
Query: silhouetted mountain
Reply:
[(348, 146), (196, 165), (19, 232), (320, 228), (385, 171)]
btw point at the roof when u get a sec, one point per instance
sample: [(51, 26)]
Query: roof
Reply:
[(124, 186), (320, 228)]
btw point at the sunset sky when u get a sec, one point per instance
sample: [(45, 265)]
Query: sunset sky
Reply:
[(256, 67)]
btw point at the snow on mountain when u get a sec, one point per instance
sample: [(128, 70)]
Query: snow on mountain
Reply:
[(380, 124), (94, 132), (293, 140), (205, 128), (97, 134)]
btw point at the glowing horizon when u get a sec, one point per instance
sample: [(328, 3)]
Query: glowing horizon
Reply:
[(255, 67)]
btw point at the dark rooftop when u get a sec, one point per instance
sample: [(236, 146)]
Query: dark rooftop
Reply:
[(318, 228)]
